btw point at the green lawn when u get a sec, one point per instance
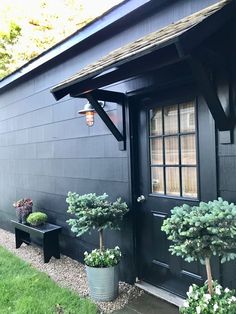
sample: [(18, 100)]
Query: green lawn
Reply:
[(24, 290)]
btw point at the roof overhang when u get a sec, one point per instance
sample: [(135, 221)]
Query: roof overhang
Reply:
[(158, 49), (176, 42)]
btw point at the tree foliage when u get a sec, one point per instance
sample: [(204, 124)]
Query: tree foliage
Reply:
[(199, 232), (93, 211), (8, 38), (43, 24), (202, 231)]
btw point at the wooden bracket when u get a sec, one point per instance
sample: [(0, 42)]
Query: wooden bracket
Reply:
[(106, 119), (222, 120), (216, 105), (102, 94)]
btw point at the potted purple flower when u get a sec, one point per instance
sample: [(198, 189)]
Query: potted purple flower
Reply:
[(23, 209)]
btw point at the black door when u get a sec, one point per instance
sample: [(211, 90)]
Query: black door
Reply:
[(170, 174)]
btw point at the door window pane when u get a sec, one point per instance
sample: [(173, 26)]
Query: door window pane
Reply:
[(172, 181), (189, 181), (172, 150), (156, 151), (171, 119), (157, 180), (187, 117), (156, 122), (188, 149)]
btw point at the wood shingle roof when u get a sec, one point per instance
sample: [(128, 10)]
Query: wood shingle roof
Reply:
[(140, 47)]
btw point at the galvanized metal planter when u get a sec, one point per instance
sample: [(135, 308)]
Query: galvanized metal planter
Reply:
[(103, 282)]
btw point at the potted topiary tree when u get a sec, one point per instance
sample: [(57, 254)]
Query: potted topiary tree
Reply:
[(93, 211), (197, 233)]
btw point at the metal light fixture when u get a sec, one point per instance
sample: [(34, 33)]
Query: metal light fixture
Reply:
[(89, 112)]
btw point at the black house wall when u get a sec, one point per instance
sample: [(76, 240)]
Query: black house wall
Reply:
[(46, 149), (227, 190), (227, 162)]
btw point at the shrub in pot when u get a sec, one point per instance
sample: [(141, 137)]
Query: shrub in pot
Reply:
[(198, 233), (23, 209), (93, 211), (37, 218)]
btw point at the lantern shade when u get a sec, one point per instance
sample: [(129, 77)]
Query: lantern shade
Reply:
[(89, 112), (87, 108)]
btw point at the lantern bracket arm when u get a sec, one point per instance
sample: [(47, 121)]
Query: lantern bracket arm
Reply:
[(120, 137)]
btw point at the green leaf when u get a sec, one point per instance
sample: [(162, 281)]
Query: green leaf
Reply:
[(202, 231)]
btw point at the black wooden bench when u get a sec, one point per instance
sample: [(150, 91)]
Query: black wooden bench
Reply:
[(47, 235)]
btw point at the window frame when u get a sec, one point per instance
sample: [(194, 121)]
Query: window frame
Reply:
[(180, 165)]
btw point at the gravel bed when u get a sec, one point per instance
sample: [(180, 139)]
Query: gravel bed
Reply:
[(67, 273)]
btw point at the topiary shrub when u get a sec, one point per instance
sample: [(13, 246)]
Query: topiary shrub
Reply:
[(94, 212), (199, 232), (37, 218)]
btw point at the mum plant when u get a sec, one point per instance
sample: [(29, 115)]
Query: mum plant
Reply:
[(23, 202), (104, 258), (199, 232), (23, 209), (93, 211), (223, 301)]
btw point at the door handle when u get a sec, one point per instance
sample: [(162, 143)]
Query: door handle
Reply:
[(141, 199)]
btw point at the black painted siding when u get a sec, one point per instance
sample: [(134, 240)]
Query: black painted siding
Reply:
[(227, 190), (46, 149), (227, 163)]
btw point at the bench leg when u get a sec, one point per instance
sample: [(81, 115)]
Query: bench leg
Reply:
[(51, 246), (46, 249), (18, 238), (46, 257), (21, 237), (56, 248)]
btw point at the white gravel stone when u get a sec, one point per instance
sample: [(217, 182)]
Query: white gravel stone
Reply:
[(67, 272)]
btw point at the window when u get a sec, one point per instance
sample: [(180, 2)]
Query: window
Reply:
[(173, 152)]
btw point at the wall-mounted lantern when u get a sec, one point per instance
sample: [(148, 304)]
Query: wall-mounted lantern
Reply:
[(89, 112)]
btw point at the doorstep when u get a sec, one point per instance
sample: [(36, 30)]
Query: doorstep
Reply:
[(148, 304), (160, 293)]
